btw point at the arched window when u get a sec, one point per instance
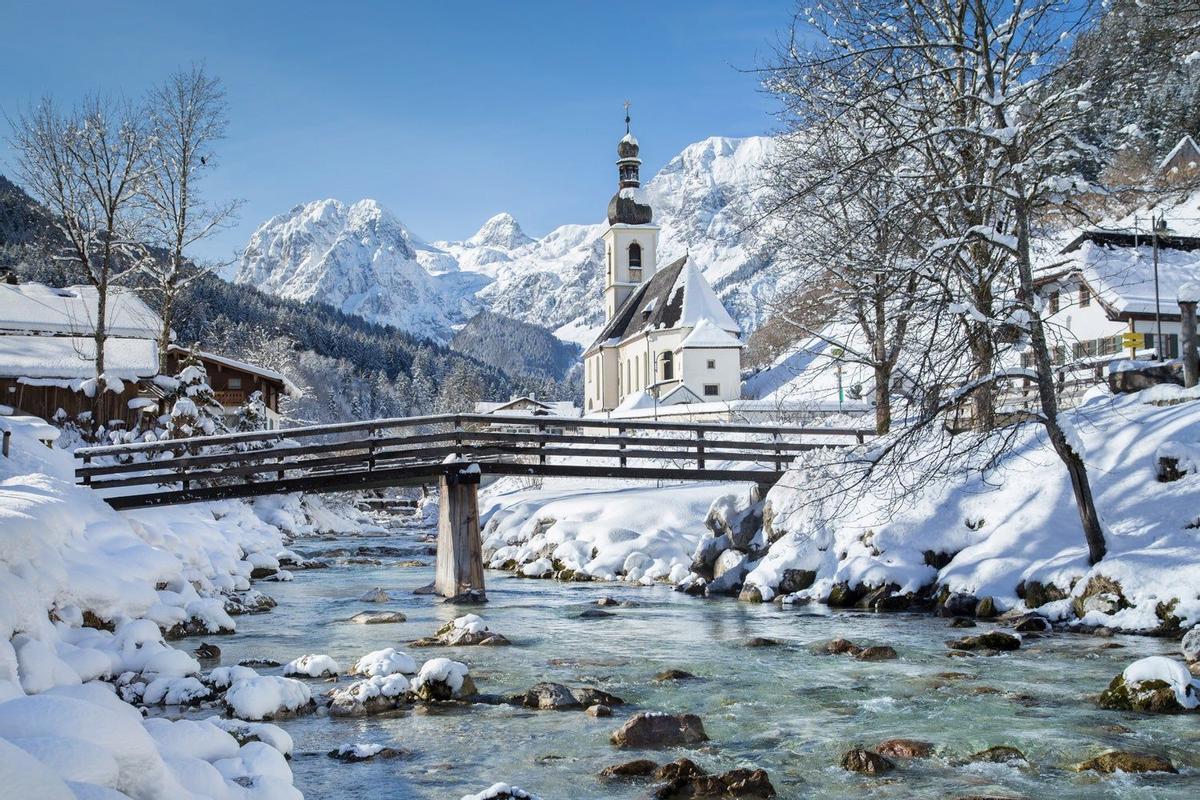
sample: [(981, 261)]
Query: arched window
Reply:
[(635, 256), (668, 364)]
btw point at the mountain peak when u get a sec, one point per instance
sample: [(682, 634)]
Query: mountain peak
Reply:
[(501, 231)]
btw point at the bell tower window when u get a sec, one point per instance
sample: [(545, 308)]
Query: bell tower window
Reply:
[(635, 256)]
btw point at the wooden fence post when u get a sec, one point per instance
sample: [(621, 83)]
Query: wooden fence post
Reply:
[(621, 446), (87, 460), (1187, 338), (699, 449), (541, 442)]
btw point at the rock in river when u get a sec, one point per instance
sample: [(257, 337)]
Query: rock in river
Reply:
[(556, 696), (1000, 754), (377, 618), (1127, 762), (866, 762), (737, 783), (640, 768), (904, 748), (353, 753), (876, 653), (464, 631), (656, 729), (1155, 684), (992, 640), (674, 674)]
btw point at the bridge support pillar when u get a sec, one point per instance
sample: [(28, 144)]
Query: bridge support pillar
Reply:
[(459, 573)]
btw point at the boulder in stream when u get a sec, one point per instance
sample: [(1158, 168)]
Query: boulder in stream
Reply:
[(992, 640), (1119, 761), (749, 784), (656, 729), (1156, 684), (904, 748), (876, 653), (369, 696), (465, 631), (556, 696), (354, 753), (1000, 754), (441, 680), (377, 618), (866, 762)]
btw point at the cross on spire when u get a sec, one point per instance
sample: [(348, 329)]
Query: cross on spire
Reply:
[(627, 105)]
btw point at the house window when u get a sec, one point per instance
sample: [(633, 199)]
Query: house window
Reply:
[(235, 383), (1054, 302), (635, 256), (1085, 297), (712, 390), (668, 366), (712, 363)]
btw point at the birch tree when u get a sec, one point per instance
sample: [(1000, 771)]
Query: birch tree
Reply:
[(187, 117), (87, 167)]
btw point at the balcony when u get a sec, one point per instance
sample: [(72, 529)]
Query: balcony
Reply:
[(234, 397)]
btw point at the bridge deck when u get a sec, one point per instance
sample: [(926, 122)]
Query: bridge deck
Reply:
[(397, 452)]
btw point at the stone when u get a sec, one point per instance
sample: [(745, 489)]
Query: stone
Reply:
[(376, 595), (962, 622), (250, 601), (885, 598), (258, 662), (594, 613), (674, 674), (838, 647), (737, 783), (377, 618), (679, 768), (607, 601), (796, 580), (762, 641), (440, 691), (599, 710), (876, 653), (1032, 623), (958, 604), (986, 608), (750, 594), (1037, 594), (904, 748), (207, 652), (708, 550), (656, 729), (1190, 646), (356, 753), (556, 696), (1102, 594), (1144, 376), (1127, 762), (1155, 697), (992, 640), (1000, 754), (258, 573), (842, 596), (866, 762), (640, 768)]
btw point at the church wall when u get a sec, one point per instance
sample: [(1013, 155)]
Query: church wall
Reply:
[(725, 372)]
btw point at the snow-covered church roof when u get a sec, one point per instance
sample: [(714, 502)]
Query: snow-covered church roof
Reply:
[(677, 296)]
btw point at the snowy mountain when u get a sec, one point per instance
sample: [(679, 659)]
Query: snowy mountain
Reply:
[(363, 260)]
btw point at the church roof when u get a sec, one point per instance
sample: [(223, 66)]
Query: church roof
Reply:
[(677, 296), (708, 334)]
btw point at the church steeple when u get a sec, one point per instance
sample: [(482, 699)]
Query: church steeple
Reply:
[(624, 208), (627, 158)]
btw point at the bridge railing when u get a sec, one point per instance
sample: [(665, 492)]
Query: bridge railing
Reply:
[(413, 449)]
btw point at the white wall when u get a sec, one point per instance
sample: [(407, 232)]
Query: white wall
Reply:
[(726, 371)]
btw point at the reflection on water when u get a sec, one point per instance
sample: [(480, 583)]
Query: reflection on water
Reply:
[(784, 709)]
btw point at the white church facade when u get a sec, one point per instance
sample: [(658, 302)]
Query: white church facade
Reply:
[(667, 339)]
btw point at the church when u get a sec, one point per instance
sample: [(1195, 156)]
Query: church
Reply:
[(667, 339)]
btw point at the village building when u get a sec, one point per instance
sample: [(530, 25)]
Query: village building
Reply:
[(48, 349), (667, 339), (530, 406), (1183, 161)]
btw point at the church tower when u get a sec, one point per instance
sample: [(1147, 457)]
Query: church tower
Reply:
[(631, 242)]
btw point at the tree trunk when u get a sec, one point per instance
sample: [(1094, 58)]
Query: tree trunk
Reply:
[(164, 336), (883, 399), (1187, 342), (1073, 460)]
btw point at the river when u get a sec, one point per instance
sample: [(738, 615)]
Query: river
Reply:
[(785, 709)]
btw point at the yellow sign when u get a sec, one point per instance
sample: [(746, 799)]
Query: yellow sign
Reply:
[(1134, 341)]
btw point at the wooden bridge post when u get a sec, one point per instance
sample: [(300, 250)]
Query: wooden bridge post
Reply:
[(459, 572)]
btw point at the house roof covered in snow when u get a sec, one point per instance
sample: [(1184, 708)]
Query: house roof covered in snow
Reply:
[(37, 308), (1185, 151), (677, 296), (531, 405), (70, 358), (1121, 275)]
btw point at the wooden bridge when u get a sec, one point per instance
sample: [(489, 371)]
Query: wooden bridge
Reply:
[(453, 449)]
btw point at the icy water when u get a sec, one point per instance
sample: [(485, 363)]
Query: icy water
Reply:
[(784, 709)]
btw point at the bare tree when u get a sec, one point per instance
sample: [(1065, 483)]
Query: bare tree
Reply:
[(187, 117), (87, 167), (968, 93)]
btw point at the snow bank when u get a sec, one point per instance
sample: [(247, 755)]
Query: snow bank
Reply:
[(1018, 526), (635, 533), (68, 560)]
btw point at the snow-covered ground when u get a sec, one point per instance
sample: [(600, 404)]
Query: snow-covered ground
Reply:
[(86, 594), (990, 536)]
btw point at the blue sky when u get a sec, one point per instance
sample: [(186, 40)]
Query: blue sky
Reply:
[(445, 112)]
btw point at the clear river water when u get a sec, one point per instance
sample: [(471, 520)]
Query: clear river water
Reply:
[(785, 709)]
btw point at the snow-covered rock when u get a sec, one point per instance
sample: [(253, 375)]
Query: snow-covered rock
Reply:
[(369, 696), (501, 791), (268, 697), (1156, 684), (388, 661), (443, 679), (312, 665)]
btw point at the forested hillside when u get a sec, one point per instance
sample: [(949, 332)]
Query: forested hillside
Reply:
[(345, 366), (515, 347)]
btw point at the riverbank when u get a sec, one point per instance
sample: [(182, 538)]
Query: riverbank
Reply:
[(88, 600), (1009, 536)]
